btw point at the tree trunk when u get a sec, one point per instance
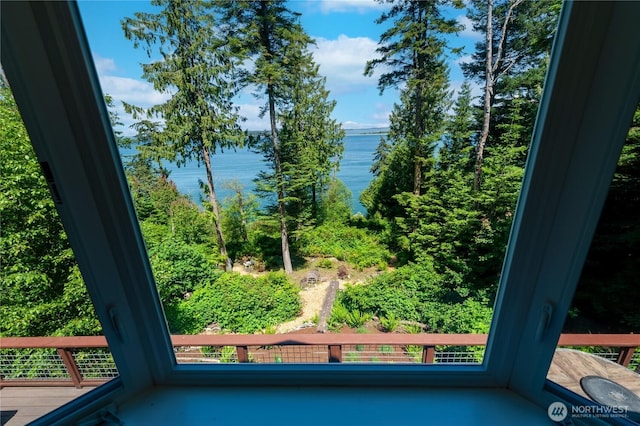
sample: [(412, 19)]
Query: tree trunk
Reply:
[(216, 210), (286, 254), (491, 68), (488, 95), (418, 124), (245, 236), (314, 202)]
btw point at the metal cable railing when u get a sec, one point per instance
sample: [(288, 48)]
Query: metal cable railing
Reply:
[(86, 361)]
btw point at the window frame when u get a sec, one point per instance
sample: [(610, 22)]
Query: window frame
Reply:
[(591, 91)]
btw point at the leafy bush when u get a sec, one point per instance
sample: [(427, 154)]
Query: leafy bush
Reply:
[(238, 303), (385, 349), (415, 293), (339, 315), (389, 323), (325, 264), (415, 352), (357, 319), (356, 246), (398, 293), (180, 268)]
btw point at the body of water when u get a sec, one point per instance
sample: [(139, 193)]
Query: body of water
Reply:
[(243, 165)]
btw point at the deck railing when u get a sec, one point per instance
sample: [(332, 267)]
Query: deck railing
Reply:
[(86, 361)]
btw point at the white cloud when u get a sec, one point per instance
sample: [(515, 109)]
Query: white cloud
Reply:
[(104, 65), (251, 112), (124, 89), (136, 92), (341, 6), (463, 59), (343, 61), (468, 28), (381, 114)]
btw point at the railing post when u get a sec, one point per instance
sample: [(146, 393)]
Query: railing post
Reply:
[(71, 366), (335, 353), (625, 355), (428, 354), (243, 353)]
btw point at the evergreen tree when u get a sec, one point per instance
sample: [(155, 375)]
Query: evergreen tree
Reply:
[(414, 49), (311, 141), (197, 70), (517, 40), (271, 35), (439, 222), (239, 212)]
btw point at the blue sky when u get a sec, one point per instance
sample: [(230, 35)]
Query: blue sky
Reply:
[(346, 37)]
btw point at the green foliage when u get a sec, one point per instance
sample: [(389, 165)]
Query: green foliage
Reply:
[(468, 317), (356, 319), (36, 256), (300, 153), (179, 268), (195, 68), (415, 352), (335, 203), (43, 293), (353, 245), (325, 264), (238, 303), (389, 323), (239, 213), (414, 293), (385, 349), (398, 293), (413, 328), (339, 315)]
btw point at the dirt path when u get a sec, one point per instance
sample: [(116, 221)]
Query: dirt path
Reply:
[(313, 296), (311, 299)]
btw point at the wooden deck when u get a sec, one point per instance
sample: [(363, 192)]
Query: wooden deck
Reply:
[(569, 366), (21, 405)]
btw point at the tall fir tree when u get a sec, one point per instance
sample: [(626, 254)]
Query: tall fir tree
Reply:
[(414, 49), (282, 69), (312, 142), (196, 69)]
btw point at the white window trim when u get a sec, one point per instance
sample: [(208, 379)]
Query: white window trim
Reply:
[(591, 92)]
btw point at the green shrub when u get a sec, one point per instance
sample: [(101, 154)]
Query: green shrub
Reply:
[(415, 352), (386, 349), (228, 354), (416, 293), (413, 328), (357, 319), (339, 315), (179, 268), (238, 303), (356, 246), (325, 264), (389, 323)]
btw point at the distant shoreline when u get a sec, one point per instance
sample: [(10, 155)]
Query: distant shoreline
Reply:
[(368, 132), (348, 132)]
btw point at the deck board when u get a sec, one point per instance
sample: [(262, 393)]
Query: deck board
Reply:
[(29, 403), (569, 366)]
